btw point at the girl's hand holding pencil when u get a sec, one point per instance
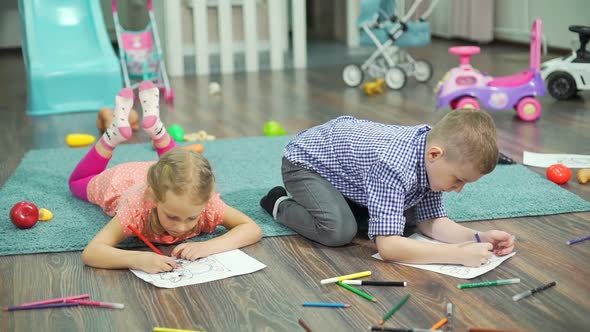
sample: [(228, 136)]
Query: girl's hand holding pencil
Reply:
[(151, 262)]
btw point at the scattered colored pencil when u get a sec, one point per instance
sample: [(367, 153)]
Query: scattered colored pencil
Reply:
[(490, 283), (98, 304), (576, 240), (346, 277), (375, 283), (533, 291), (145, 240), (483, 329), (392, 311), (57, 300), (357, 291), (304, 325), (324, 304), (399, 329), (167, 329), (41, 306), (439, 324)]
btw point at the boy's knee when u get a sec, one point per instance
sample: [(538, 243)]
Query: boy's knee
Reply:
[(341, 236)]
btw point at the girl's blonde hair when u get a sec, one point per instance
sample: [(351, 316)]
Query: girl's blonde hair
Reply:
[(468, 136), (183, 172)]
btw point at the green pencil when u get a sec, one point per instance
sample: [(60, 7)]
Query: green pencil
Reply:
[(359, 292), (392, 311), (490, 283)]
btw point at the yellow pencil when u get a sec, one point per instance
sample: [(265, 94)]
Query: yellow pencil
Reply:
[(346, 277), (439, 324), (166, 329)]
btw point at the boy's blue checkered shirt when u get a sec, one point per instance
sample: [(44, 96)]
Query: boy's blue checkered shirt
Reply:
[(376, 165)]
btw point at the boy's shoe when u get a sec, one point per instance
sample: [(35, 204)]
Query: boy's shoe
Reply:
[(268, 202), (505, 160)]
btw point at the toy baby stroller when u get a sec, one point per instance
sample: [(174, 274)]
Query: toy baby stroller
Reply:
[(140, 54), (389, 35)]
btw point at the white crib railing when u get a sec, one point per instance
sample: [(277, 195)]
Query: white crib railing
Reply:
[(277, 44)]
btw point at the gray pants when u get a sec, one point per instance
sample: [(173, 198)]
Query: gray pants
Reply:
[(318, 211)]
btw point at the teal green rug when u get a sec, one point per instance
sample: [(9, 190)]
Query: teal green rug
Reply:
[(245, 169)]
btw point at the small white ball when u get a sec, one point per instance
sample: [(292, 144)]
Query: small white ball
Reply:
[(214, 88)]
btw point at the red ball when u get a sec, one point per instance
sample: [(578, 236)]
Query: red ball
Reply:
[(24, 215), (559, 173)]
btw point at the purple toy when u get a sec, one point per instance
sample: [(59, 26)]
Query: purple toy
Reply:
[(466, 87)]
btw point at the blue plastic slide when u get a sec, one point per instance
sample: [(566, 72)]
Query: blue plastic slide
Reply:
[(71, 65)]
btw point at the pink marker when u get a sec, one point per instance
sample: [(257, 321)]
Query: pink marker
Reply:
[(98, 304), (58, 300)]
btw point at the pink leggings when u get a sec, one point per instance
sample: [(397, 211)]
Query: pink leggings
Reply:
[(92, 165)]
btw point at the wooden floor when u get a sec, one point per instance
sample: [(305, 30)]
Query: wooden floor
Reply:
[(270, 300)]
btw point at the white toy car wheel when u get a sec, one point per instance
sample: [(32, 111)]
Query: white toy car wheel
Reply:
[(395, 78), (352, 75), (422, 71), (561, 85)]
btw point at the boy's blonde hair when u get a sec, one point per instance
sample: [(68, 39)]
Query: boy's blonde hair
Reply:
[(183, 172), (467, 135)]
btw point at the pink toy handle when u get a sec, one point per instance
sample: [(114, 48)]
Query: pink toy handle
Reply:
[(114, 5), (464, 52), (536, 34)]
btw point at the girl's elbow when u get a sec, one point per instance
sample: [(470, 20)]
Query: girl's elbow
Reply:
[(257, 233), (86, 256)]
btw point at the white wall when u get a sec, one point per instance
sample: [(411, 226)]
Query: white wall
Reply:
[(513, 19)]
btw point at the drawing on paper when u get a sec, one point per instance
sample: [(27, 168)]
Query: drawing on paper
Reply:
[(187, 270)]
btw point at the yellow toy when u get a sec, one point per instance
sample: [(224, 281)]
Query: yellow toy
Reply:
[(584, 175), (374, 87), (78, 140), (45, 215)]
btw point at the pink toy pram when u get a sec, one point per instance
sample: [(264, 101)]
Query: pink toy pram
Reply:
[(465, 86), (140, 54)]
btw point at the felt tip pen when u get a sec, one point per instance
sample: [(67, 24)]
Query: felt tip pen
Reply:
[(375, 283), (533, 291), (398, 329), (98, 304), (576, 240), (346, 277), (327, 305), (490, 283), (449, 316)]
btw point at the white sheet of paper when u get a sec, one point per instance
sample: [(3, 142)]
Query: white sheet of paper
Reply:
[(458, 271), (548, 159), (214, 267)]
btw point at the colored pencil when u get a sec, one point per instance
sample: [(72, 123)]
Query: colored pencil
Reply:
[(533, 291), (167, 329), (324, 304), (490, 283), (98, 304), (440, 324), (346, 277), (357, 291), (375, 283), (304, 325), (392, 311), (483, 329), (57, 300), (145, 240), (580, 239), (399, 329), (41, 306)]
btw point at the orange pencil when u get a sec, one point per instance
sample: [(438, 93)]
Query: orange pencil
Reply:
[(146, 241), (439, 324)]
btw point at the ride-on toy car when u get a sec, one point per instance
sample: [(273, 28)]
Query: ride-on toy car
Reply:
[(567, 75), (465, 86)]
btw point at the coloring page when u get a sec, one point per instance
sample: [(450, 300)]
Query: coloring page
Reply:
[(547, 159), (214, 267), (459, 271)]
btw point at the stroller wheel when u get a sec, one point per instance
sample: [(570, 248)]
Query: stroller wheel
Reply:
[(395, 78), (169, 95), (352, 75), (422, 71)]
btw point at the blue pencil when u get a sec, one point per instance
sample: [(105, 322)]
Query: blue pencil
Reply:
[(580, 239), (324, 304), (41, 306)]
